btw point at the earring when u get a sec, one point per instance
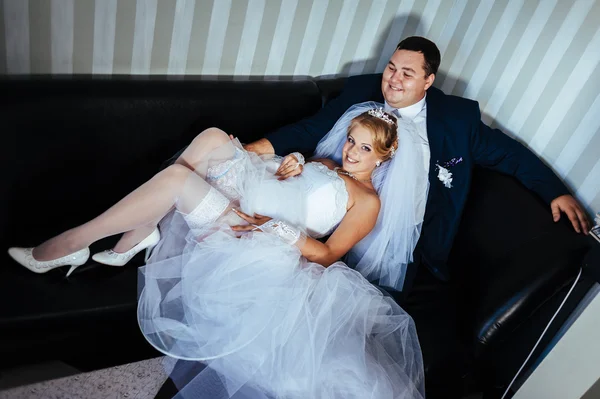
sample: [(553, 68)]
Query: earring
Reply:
[(378, 163)]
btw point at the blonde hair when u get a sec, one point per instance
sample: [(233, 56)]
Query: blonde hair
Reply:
[(385, 135)]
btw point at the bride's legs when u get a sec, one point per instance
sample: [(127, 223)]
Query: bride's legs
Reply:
[(194, 158), (195, 155), (138, 210)]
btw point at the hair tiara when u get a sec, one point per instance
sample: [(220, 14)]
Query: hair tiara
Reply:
[(380, 113)]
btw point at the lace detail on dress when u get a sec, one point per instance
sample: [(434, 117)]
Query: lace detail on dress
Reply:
[(341, 197), (225, 175), (208, 210), (286, 232)]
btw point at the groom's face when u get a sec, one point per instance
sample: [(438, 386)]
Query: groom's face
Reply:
[(404, 81)]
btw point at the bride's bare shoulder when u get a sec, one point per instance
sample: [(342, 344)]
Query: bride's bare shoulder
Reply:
[(362, 197), (369, 198)]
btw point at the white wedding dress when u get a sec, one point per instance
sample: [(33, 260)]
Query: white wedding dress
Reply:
[(265, 321)]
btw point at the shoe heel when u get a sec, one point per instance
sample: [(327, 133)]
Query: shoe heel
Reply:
[(72, 269), (149, 252), (78, 262), (153, 244)]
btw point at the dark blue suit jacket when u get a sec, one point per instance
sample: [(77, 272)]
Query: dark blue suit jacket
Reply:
[(454, 129)]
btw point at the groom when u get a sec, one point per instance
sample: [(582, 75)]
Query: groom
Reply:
[(454, 140)]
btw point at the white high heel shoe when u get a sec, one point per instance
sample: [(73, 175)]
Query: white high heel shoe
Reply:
[(113, 258), (24, 256)]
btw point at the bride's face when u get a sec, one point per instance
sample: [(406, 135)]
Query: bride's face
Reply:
[(358, 154)]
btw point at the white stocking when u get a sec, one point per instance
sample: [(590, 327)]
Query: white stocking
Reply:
[(176, 186)]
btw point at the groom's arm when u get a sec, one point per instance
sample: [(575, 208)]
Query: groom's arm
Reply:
[(494, 149), (303, 136)]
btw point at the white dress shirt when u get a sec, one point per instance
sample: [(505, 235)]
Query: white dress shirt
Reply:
[(418, 114)]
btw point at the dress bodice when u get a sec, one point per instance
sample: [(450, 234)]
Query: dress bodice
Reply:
[(326, 199), (314, 201)]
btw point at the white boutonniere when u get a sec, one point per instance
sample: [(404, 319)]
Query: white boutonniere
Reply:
[(445, 176), (444, 173)]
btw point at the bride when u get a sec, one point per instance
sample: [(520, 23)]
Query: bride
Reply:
[(260, 300)]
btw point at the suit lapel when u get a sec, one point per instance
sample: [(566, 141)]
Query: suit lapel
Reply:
[(435, 132)]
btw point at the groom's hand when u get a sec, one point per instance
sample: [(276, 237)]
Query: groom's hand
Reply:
[(260, 147), (573, 210)]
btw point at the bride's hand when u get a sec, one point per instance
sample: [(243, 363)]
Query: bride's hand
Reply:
[(290, 166), (254, 221)]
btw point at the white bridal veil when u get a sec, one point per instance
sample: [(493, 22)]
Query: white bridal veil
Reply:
[(402, 184)]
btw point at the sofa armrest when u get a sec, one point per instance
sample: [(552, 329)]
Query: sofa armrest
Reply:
[(591, 263), (517, 285), (509, 257)]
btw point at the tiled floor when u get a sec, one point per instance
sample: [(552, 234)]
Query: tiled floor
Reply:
[(138, 380), (31, 374)]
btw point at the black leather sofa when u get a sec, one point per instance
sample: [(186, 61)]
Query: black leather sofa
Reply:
[(72, 146)]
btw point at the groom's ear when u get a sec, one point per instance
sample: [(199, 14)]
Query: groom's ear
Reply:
[(429, 80)]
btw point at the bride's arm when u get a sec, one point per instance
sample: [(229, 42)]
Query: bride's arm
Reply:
[(357, 223)]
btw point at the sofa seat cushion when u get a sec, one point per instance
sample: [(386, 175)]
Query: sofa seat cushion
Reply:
[(39, 300), (522, 280), (509, 257)]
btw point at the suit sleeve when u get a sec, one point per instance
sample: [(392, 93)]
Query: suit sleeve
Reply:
[(493, 149), (304, 135)]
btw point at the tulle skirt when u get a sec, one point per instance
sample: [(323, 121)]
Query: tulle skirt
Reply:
[(267, 323)]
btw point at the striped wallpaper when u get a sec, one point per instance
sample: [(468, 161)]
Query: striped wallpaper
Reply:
[(534, 65)]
